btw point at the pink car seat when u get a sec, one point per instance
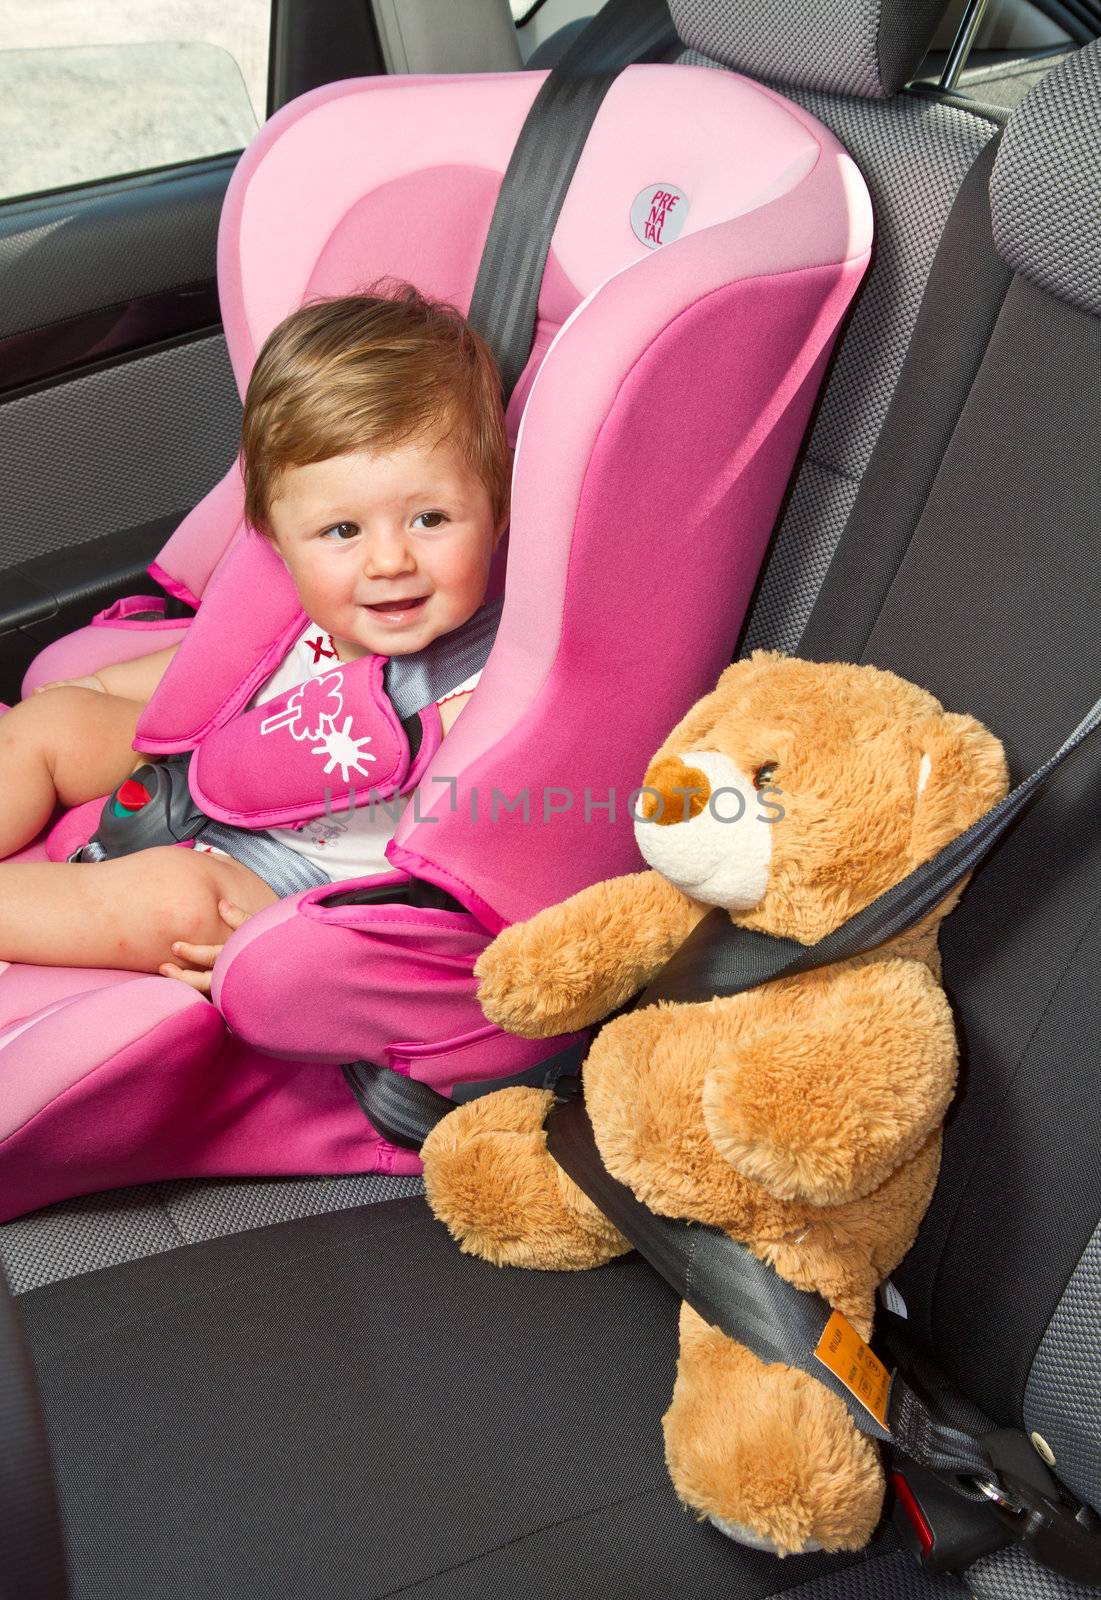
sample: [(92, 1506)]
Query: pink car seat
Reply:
[(706, 252)]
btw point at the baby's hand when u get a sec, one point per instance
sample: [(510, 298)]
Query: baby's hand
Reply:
[(202, 956), (73, 683)]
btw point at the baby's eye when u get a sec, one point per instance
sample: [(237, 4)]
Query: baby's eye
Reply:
[(341, 531), (430, 519)]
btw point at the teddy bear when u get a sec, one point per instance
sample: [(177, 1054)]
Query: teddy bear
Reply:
[(803, 1116)]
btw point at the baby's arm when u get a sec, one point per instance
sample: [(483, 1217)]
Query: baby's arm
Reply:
[(450, 708)]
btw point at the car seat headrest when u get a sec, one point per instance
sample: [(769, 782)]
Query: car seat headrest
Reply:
[(1045, 189), (415, 196), (859, 47)]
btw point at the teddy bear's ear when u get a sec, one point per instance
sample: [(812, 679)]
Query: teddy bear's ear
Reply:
[(959, 773)]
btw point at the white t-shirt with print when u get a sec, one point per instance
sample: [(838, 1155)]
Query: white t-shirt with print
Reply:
[(345, 844)]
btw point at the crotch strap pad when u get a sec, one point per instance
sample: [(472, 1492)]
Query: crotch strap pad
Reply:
[(331, 743)]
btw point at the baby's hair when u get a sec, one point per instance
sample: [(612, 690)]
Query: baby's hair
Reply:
[(371, 371)]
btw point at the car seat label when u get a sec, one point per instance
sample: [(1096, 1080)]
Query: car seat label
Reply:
[(658, 213), (844, 1352)]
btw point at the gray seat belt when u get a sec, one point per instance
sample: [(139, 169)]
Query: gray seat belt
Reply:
[(504, 303)]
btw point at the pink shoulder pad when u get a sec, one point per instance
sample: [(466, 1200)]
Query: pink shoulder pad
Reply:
[(249, 618), (331, 743)]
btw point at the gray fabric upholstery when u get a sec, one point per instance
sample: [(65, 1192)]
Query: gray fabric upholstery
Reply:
[(914, 154), (116, 448), (84, 1235), (174, 214), (1063, 1395), (864, 47), (1010, 1574), (101, 1230), (1045, 191), (894, 1577)]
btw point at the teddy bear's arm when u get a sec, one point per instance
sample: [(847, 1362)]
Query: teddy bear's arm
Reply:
[(831, 1088), (571, 965)]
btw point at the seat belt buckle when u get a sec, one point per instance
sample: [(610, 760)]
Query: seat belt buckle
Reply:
[(1058, 1531), (942, 1530)]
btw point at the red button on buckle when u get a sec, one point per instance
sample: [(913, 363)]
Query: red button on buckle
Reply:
[(908, 1501), (132, 795)]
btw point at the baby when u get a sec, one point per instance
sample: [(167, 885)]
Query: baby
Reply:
[(376, 463)]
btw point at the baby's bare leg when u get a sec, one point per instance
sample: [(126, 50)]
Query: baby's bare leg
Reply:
[(70, 745), (124, 913)]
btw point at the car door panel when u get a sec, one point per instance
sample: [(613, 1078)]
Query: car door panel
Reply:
[(118, 408)]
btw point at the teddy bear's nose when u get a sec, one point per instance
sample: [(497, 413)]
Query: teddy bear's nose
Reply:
[(684, 792)]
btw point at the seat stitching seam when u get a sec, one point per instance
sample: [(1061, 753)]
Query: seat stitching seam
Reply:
[(520, 1538), (181, 1300), (162, 1201), (828, 466)]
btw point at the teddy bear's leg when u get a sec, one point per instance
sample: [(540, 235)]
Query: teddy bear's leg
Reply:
[(768, 1454), (490, 1179), (824, 1107)]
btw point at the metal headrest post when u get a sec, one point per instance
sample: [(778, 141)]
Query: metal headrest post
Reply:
[(973, 13)]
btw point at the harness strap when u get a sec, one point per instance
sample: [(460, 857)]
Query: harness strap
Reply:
[(280, 865), (924, 1418), (735, 1291), (720, 1279), (405, 1111), (415, 681), (169, 815)]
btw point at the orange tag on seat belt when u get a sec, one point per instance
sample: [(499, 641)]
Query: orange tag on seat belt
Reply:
[(844, 1352)]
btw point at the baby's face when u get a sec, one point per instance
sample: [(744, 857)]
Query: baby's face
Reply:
[(387, 552)]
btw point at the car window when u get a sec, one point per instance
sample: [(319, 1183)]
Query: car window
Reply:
[(122, 86)]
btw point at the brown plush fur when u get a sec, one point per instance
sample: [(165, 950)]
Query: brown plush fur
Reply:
[(767, 1449), (803, 1117)]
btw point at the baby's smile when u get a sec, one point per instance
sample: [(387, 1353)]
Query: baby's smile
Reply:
[(396, 611)]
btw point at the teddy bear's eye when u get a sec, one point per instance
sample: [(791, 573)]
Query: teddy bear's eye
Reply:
[(765, 774)]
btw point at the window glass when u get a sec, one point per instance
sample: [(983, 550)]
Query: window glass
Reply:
[(98, 88)]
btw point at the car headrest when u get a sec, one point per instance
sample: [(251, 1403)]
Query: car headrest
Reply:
[(1045, 189), (868, 48)]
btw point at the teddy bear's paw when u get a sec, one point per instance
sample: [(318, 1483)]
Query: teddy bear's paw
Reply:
[(797, 1133), (824, 1110), (490, 1180), (534, 984), (757, 1541)]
